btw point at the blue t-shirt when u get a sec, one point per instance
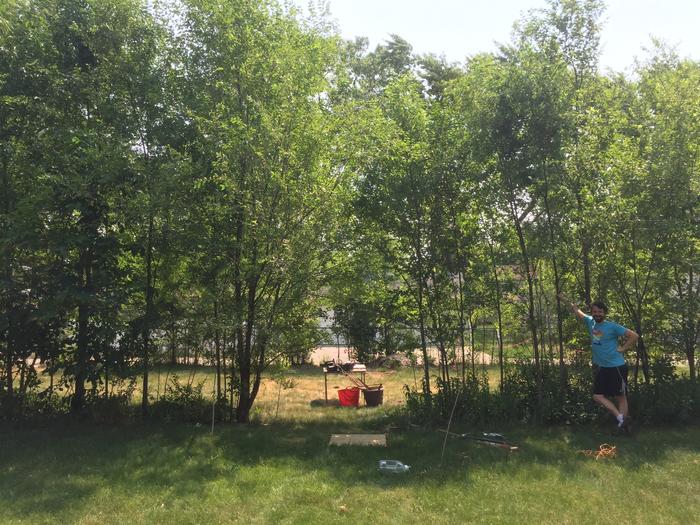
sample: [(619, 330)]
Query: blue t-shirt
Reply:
[(604, 342)]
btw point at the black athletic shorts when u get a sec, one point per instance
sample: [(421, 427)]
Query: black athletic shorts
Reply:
[(611, 381)]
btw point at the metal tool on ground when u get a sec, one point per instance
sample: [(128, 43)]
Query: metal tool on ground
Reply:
[(486, 438)]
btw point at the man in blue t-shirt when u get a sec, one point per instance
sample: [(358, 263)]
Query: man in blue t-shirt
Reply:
[(611, 378)]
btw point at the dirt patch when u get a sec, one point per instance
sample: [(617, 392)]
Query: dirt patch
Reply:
[(342, 354)]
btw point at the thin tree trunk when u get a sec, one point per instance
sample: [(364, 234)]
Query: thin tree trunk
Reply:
[(585, 254), (461, 324), (532, 323), (78, 399), (246, 395), (542, 318), (224, 346), (499, 314), (242, 351), (217, 343), (421, 319), (437, 323), (472, 342), (234, 350), (148, 314), (692, 331), (557, 288), (172, 343), (642, 354), (8, 367), (690, 354), (107, 358), (7, 269)]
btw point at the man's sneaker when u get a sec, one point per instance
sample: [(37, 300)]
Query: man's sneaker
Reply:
[(626, 426)]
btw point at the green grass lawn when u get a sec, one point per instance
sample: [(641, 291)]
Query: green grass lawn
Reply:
[(281, 470), (287, 473)]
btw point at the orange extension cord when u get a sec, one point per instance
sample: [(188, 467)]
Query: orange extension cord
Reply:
[(605, 451)]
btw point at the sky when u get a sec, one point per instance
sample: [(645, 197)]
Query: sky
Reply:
[(461, 28)]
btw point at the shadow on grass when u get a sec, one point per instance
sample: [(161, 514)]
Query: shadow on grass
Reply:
[(322, 403), (51, 470)]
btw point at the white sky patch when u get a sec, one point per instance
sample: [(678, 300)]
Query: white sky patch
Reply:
[(461, 28)]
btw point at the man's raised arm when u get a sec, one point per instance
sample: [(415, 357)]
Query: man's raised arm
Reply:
[(575, 309)]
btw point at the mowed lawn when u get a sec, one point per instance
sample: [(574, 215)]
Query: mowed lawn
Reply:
[(281, 470)]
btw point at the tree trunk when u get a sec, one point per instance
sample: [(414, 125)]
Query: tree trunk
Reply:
[(461, 324), (557, 288), (7, 306), (148, 315), (88, 226), (437, 323), (217, 343), (690, 354), (243, 376), (691, 331), (542, 316), (243, 408), (173, 354), (421, 320), (642, 354), (224, 345), (472, 341), (8, 368), (585, 255), (242, 351), (107, 358), (78, 400), (234, 350), (532, 322), (499, 314), (245, 400)]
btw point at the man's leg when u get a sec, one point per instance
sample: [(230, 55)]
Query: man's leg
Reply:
[(622, 404), (605, 402), (622, 372)]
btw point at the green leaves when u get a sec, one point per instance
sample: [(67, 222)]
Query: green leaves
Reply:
[(217, 171)]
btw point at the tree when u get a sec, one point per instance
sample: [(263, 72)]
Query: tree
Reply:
[(670, 139), (262, 122)]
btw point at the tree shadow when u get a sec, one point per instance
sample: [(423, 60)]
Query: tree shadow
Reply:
[(57, 471), (322, 403)]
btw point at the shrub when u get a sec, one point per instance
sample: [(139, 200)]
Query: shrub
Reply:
[(666, 399), (470, 400), (33, 405), (182, 402), (116, 407)]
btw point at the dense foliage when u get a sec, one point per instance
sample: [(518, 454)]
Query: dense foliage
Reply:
[(192, 181)]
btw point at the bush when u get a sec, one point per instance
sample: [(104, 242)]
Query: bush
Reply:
[(184, 402), (33, 405), (470, 400), (116, 407), (666, 399)]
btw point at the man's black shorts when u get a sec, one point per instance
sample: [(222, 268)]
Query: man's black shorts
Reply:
[(611, 381)]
